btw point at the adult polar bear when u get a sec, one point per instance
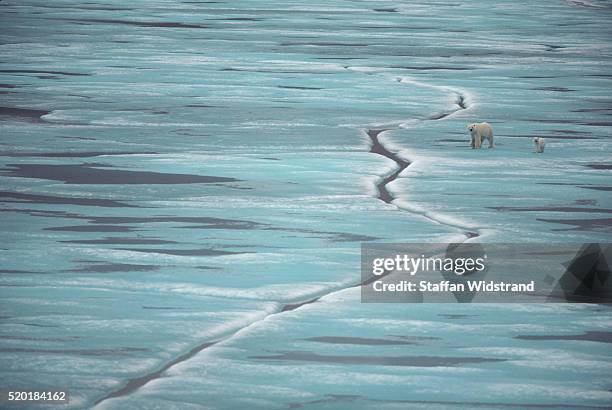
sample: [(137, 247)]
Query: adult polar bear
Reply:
[(479, 131)]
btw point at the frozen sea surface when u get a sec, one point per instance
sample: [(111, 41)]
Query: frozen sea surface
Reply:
[(178, 177)]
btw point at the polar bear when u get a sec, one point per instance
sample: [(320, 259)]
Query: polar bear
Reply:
[(539, 143), (480, 131)]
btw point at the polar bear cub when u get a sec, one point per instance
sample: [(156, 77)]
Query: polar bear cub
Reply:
[(539, 143), (479, 131)]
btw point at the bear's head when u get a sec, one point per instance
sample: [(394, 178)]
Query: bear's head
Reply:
[(536, 140), (471, 127)]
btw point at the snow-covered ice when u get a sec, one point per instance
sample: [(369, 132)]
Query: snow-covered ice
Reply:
[(178, 176)]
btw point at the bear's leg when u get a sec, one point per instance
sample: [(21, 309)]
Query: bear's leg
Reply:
[(491, 143), (473, 143), (478, 141)]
